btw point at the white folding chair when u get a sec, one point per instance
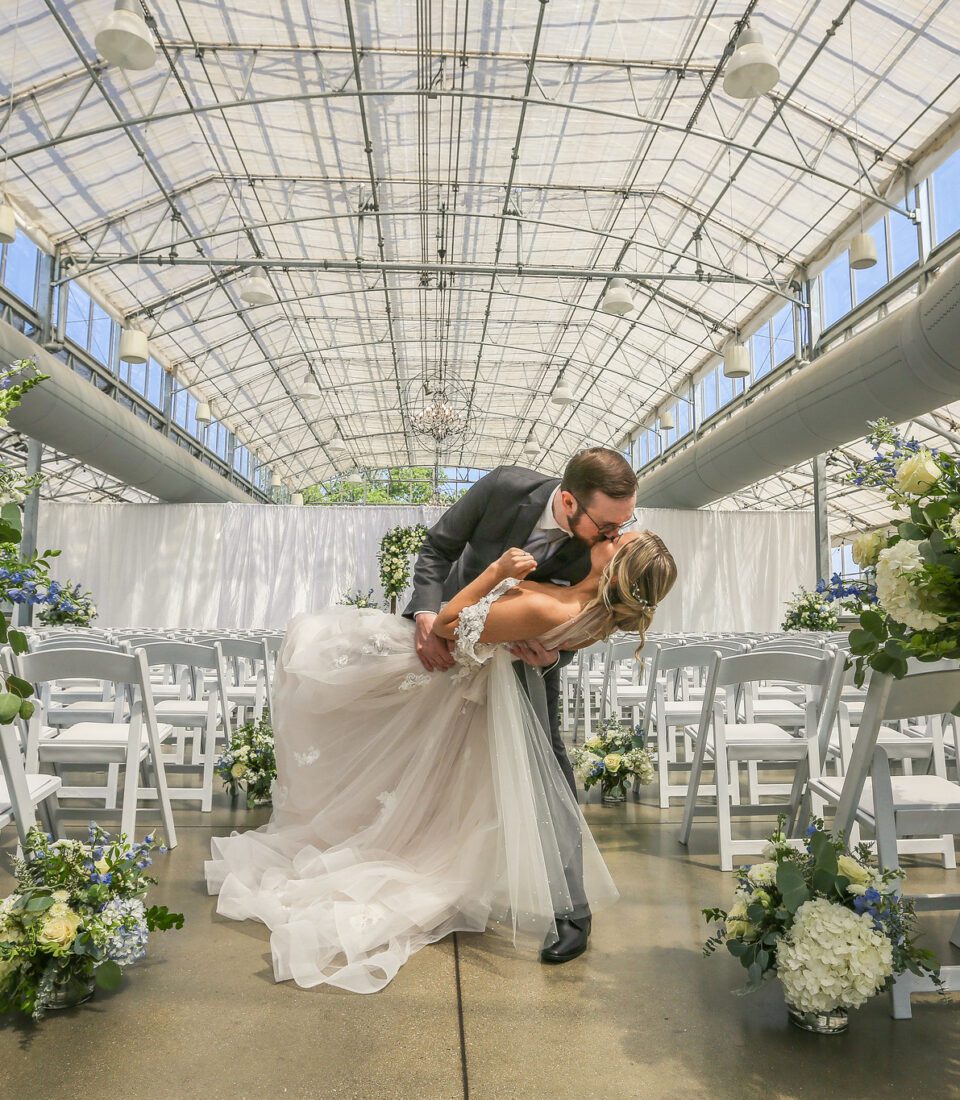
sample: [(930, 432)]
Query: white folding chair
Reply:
[(726, 742), (23, 792), (131, 742), (899, 806)]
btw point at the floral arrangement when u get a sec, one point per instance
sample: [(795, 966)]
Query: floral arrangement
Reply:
[(916, 568), (810, 611), (611, 758), (249, 763), (828, 924), (396, 548), (358, 599), (849, 594), (76, 920), (68, 604), (13, 392)]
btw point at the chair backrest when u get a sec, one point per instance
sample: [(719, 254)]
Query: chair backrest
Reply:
[(188, 654), (79, 641), (82, 663), (246, 648), (918, 695)]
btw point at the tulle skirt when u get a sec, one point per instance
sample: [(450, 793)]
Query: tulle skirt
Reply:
[(407, 806)]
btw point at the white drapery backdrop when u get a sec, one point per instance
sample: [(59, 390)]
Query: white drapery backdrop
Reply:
[(252, 565)]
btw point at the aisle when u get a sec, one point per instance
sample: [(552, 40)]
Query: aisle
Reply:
[(640, 1016)]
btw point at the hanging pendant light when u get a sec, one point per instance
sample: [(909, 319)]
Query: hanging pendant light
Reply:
[(355, 479), (125, 39), (753, 70), (296, 499), (336, 447), (275, 480), (134, 347), (562, 395), (531, 448), (617, 298), (667, 422), (203, 412), (255, 289), (863, 252), (736, 361), (8, 222)]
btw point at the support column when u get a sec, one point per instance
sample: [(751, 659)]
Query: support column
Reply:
[(31, 515), (820, 521)]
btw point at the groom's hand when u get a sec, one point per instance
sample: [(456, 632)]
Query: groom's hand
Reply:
[(533, 653), (433, 651)]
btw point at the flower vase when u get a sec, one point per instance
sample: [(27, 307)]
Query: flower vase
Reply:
[(613, 792), (834, 1022), (71, 989)]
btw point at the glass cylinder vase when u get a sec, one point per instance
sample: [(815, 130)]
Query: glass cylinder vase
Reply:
[(834, 1022), (71, 989)]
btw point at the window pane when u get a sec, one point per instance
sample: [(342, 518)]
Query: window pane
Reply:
[(190, 419), (946, 198), (138, 377), (78, 316), (836, 290), (180, 408), (903, 244), (684, 423), (155, 384), (872, 279), (783, 347), (760, 349), (709, 391), (20, 270), (100, 333), (725, 387)]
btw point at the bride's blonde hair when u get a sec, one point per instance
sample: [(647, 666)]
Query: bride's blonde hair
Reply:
[(632, 584)]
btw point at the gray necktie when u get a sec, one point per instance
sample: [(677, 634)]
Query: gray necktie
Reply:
[(544, 544)]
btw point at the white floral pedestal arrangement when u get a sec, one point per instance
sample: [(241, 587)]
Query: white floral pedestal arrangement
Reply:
[(830, 926)]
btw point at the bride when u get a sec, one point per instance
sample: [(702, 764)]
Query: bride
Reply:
[(409, 805)]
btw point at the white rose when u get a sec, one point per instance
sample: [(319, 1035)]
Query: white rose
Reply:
[(849, 868), (917, 474), (867, 547)]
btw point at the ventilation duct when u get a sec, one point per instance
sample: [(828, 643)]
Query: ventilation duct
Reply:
[(900, 367), (74, 417)]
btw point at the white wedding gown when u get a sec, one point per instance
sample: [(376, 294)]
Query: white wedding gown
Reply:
[(407, 805)]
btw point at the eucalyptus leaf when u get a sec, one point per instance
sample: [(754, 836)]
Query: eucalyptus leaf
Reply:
[(872, 623), (791, 884), (108, 975), (9, 707)]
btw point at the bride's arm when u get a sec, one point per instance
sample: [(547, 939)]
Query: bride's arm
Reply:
[(513, 618)]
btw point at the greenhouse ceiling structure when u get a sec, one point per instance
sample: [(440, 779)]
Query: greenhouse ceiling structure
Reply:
[(434, 197)]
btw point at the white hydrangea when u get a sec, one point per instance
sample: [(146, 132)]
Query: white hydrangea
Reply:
[(955, 526), (832, 958), (896, 595), (584, 765)]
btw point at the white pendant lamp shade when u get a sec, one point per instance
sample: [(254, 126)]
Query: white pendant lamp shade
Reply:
[(336, 447), (666, 420), (134, 347), (752, 70), (563, 395), (8, 223), (863, 252), (275, 480), (297, 499), (125, 39), (255, 290), (617, 298), (355, 478), (736, 362), (531, 448), (203, 412)]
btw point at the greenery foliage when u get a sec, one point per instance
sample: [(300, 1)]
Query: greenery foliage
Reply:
[(396, 549), (249, 763), (810, 611), (389, 485)]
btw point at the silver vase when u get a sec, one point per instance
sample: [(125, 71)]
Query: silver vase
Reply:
[(71, 990)]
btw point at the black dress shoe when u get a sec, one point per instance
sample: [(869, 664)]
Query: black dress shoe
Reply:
[(574, 934)]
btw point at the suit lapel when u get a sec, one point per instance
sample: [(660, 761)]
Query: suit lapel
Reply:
[(528, 513)]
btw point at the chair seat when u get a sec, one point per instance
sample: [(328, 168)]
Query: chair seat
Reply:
[(677, 712), (899, 746), (173, 709), (39, 786), (93, 740), (918, 793), (779, 711)]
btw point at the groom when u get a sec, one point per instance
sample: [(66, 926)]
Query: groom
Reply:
[(557, 520)]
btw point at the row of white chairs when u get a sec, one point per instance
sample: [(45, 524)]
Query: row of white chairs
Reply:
[(116, 701)]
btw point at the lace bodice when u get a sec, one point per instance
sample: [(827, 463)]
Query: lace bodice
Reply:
[(470, 652)]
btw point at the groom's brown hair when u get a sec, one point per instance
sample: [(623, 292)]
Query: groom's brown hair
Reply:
[(599, 469)]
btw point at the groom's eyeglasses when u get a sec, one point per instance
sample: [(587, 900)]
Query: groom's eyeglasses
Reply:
[(607, 531)]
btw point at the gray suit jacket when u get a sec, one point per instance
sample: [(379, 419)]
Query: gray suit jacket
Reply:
[(498, 512)]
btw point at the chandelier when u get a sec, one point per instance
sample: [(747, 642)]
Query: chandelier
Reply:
[(437, 413)]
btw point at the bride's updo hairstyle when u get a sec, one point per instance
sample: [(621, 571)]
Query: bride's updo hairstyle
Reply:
[(632, 584)]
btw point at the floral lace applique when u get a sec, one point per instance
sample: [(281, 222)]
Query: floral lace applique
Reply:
[(387, 800), (414, 680), (469, 651), (305, 759), (378, 645), (278, 794), (339, 662)]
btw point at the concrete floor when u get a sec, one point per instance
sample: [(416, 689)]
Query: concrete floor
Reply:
[(640, 1015)]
